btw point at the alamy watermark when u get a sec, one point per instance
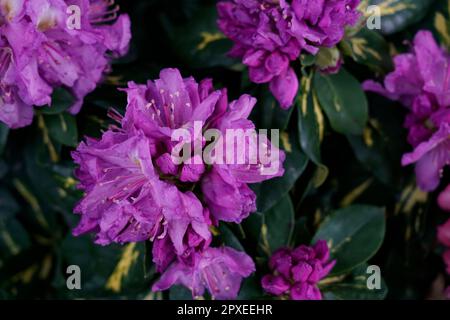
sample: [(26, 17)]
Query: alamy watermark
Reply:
[(73, 281), (373, 14), (373, 281), (234, 147), (73, 21)]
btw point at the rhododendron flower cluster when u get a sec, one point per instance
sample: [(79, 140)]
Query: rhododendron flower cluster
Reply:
[(135, 191), (296, 272), (40, 50), (421, 83), (268, 35)]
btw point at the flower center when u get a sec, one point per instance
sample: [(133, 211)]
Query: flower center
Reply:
[(164, 113), (7, 11), (47, 20)]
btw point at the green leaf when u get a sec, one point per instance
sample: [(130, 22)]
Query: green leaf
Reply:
[(372, 158), (369, 48), (61, 101), (268, 114), (310, 121), (397, 15), (48, 189), (354, 287), (252, 229), (4, 168), (250, 289), (180, 293), (63, 128), (106, 271), (307, 60), (229, 239), (301, 233), (278, 225), (441, 23), (343, 100), (201, 45), (4, 131), (271, 191), (311, 127), (130, 276), (8, 205), (354, 235), (13, 237), (383, 142)]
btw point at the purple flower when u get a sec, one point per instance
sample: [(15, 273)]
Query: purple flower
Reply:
[(420, 82), (136, 191), (446, 257), (444, 199), (276, 285), (220, 270), (305, 291), (296, 272), (443, 234), (418, 75), (126, 201), (430, 157), (229, 199), (267, 35), (169, 103), (281, 262), (41, 50), (162, 106)]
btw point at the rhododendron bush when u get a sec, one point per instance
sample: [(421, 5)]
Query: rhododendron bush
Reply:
[(231, 149)]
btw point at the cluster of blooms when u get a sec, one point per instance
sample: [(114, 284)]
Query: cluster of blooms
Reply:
[(39, 52), (421, 82), (136, 192), (296, 272), (269, 34)]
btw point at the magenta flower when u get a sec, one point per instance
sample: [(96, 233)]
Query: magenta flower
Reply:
[(296, 272), (444, 199), (41, 50), (420, 82), (219, 270), (126, 201), (229, 199), (136, 191), (268, 35), (430, 158), (419, 76), (171, 103), (446, 257), (443, 236)]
